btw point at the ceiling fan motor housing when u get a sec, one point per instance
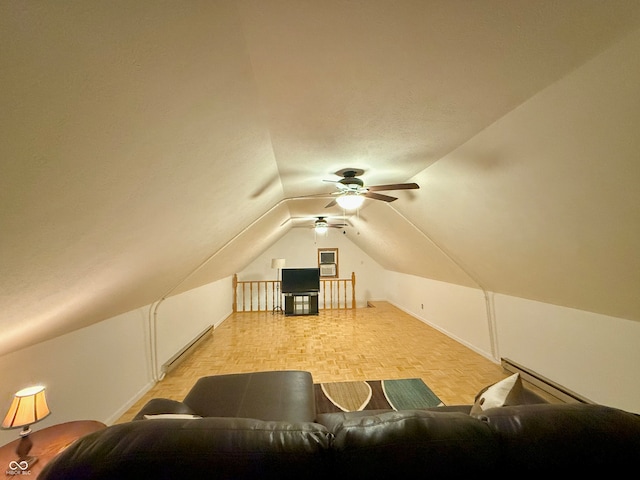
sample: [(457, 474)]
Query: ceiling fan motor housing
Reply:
[(350, 180)]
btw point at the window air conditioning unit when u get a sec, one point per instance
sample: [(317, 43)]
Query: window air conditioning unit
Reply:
[(328, 270)]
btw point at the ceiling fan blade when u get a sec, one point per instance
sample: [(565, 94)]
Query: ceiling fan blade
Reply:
[(331, 225), (394, 186), (379, 196), (313, 195), (330, 204)]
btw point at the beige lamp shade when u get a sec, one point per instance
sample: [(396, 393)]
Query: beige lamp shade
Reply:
[(28, 406), (277, 262)]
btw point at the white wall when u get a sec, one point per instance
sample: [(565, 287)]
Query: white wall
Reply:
[(182, 317), (99, 371), (594, 355), (299, 252), (89, 374), (459, 312)]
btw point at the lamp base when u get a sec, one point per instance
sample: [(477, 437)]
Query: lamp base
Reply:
[(25, 461), (30, 459), (25, 444), (22, 465)]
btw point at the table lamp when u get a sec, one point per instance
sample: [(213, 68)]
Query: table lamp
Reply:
[(29, 406)]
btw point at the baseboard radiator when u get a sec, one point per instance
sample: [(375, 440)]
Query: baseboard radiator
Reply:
[(174, 361), (549, 386)]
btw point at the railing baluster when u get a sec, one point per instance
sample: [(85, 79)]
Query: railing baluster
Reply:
[(333, 287)]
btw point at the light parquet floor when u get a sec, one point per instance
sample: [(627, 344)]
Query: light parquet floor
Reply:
[(373, 343)]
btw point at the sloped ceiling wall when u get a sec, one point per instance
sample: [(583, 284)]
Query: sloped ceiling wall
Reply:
[(543, 204), (145, 141)]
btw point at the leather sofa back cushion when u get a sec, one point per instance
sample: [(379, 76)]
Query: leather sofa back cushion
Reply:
[(285, 395), (579, 438), (435, 444), (228, 448)]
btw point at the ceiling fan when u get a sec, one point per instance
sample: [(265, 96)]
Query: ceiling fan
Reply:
[(352, 191), (321, 225)]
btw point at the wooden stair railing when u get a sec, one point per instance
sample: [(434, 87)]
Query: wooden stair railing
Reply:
[(262, 295)]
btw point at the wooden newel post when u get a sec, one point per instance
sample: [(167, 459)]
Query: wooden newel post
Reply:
[(235, 292), (353, 289)]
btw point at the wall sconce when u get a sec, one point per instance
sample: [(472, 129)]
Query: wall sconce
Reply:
[(29, 406)]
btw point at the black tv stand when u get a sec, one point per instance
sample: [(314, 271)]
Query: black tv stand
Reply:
[(301, 303)]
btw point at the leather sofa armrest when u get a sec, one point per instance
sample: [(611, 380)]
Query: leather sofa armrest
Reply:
[(157, 406)]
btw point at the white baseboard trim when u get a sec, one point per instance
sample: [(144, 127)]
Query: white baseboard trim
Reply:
[(124, 408), (486, 355)]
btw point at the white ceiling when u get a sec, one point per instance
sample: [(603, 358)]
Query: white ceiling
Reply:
[(141, 138)]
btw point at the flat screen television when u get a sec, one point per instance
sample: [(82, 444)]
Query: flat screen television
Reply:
[(300, 280)]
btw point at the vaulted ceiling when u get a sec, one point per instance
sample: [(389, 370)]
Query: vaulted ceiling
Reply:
[(140, 139)]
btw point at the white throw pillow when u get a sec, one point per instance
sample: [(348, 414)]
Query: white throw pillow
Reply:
[(505, 392), (182, 416)]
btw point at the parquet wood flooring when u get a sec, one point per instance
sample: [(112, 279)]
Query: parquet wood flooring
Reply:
[(373, 343)]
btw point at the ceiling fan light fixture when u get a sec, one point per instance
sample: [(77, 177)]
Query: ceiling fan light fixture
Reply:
[(321, 225), (321, 228), (350, 200)]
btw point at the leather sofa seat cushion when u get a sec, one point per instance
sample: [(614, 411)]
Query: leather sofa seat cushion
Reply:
[(331, 420), (435, 444), (577, 438), (274, 395), (221, 448)]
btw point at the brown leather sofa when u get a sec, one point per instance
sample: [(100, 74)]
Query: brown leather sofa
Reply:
[(263, 425)]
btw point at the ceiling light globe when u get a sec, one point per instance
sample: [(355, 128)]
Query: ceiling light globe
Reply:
[(350, 201)]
